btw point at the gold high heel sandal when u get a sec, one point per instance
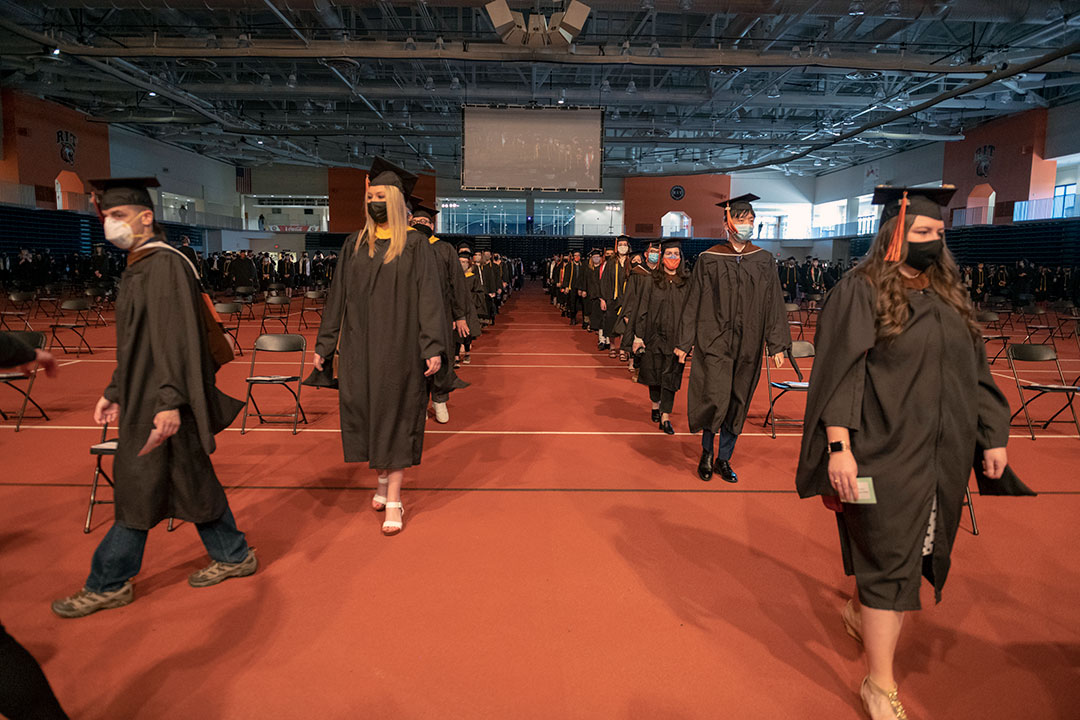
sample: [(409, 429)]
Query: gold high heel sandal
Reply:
[(848, 615), (891, 695)]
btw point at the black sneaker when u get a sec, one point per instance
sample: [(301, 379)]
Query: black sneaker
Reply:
[(217, 571), (86, 601)]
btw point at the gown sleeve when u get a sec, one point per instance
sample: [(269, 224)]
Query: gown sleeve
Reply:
[(176, 333), (430, 310), (688, 327), (994, 413), (326, 341), (777, 330), (459, 290)]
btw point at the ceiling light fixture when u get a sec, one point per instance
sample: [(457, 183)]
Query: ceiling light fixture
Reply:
[(625, 48), (654, 49), (774, 92), (307, 108), (892, 8), (291, 82), (562, 96), (429, 83), (605, 86), (455, 83), (631, 87), (857, 8), (266, 82), (826, 53), (796, 52), (747, 91), (243, 40), (152, 94), (410, 44), (440, 44)]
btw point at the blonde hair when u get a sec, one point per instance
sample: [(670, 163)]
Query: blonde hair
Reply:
[(397, 217)]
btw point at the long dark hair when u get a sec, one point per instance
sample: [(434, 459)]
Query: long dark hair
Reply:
[(892, 306), (660, 276)]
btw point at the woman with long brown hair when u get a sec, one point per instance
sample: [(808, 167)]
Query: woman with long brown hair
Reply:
[(384, 317), (900, 399)]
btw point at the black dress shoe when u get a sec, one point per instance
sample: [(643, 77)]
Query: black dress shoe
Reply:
[(666, 427), (704, 467), (723, 469), (656, 416)]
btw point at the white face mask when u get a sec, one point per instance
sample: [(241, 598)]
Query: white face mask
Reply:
[(745, 231), (119, 233), (623, 249)]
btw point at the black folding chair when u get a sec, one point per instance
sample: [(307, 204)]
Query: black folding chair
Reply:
[(245, 295), (812, 312), (275, 289), (96, 297), (794, 309), (313, 301), (48, 301), (73, 316), (232, 311), (1036, 320), (21, 305), (100, 450), (276, 308), (35, 340), (276, 344), (799, 349), (990, 321), (1025, 353), (1004, 310)]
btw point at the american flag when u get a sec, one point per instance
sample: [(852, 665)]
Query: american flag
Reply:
[(243, 180)]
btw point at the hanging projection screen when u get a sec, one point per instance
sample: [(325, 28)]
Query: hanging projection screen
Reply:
[(527, 148)]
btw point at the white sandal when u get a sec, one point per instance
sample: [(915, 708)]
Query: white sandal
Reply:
[(378, 502), (393, 527)]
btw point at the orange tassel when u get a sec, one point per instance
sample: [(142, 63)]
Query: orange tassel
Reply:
[(733, 232), (896, 242)]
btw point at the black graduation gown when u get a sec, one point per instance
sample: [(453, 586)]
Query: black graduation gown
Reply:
[(733, 308), (591, 286), (164, 363), (477, 302), (452, 286), (657, 321), (385, 320), (613, 291), (634, 285), (916, 406)]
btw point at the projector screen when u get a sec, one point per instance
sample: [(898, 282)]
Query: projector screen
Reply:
[(520, 148)]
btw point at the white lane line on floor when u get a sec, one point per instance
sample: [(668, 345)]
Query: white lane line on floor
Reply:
[(567, 433), (72, 362)]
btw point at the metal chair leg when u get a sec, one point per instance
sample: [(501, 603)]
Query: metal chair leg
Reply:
[(971, 511)]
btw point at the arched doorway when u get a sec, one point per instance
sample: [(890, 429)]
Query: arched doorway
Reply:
[(980, 205), (676, 224), (70, 192)]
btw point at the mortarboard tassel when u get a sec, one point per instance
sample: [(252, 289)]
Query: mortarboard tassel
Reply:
[(893, 253), (733, 232)]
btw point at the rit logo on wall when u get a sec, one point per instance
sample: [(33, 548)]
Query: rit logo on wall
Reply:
[(67, 141), (983, 156)]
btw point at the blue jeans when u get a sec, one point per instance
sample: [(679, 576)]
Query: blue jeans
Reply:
[(725, 447), (119, 556)]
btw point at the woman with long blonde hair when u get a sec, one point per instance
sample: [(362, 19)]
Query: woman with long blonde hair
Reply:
[(384, 317), (900, 402)]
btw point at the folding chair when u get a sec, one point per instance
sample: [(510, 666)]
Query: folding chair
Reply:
[(312, 301), (22, 304), (276, 308), (1025, 353), (1004, 310), (799, 349), (235, 310), (798, 322), (971, 511), (1067, 315), (96, 297), (78, 325), (275, 289), (104, 448), (811, 312), (276, 344), (990, 320), (245, 295), (50, 295), (1036, 321), (35, 340)]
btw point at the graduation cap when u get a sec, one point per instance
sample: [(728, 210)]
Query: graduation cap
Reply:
[(735, 206), (322, 378), (899, 201), (424, 211), (670, 243), (464, 247), (384, 172), (114, 192)]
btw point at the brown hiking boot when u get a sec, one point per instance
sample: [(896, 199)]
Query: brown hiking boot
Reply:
[(86, 601), (217, 571)]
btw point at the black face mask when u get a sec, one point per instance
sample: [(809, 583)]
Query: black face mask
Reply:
[(424, 230), (922, 255), (377, 211)]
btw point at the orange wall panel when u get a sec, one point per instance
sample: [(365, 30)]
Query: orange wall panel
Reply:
[(647, 199), (48, 139), (1016, 168)]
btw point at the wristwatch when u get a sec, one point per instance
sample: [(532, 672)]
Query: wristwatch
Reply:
[(838, 446)]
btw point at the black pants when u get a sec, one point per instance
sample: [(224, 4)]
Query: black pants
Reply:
[(662, 395), (460, 342), (24, 691)]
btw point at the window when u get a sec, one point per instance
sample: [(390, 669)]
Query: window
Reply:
[(1064, 201)]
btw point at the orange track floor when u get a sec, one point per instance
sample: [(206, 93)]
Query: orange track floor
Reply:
[(560, 559)]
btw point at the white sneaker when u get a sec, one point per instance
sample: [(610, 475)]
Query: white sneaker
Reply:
[(442, 415)]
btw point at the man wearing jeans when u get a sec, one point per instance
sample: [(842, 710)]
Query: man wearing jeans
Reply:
[(163, 398)]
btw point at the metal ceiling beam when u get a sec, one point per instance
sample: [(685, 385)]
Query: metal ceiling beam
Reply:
[(286, 21)]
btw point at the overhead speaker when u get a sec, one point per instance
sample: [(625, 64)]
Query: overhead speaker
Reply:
[(573, 18), (515, 35), (537, 30), (502, 17)]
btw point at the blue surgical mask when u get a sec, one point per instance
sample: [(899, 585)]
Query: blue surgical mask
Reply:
[(654, 257)]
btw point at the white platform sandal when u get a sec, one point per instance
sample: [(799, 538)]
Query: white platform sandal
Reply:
[(393, 527), (378, 502)]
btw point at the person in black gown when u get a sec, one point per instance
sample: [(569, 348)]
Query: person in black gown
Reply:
[(901, 393), (384, 317)]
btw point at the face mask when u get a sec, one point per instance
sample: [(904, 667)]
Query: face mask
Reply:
[(377, 211), (654, 257), (119, 233), (922, 255), (672, 263), (623, 249), (424, 230), (745, 231)]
